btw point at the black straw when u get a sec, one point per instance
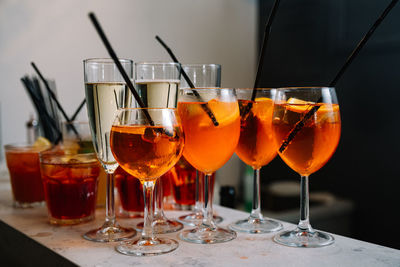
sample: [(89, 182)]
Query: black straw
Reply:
[(363, 42), (53, 96), (51, 93), (49, 125), (119, 66), (267, 32), (204, 106), (78, 109), (299, 125)]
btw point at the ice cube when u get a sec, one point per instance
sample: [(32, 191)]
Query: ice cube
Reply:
[(151, 135)]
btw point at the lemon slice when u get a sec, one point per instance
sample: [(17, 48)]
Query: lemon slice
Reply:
[(42, 142)]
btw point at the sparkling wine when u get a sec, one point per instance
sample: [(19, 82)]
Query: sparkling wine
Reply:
[(158, 93), (103, 100)]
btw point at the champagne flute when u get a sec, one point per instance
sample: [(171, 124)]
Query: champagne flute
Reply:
[(306, 126), (157, 84), (211, 121), (147, 149), (256, 148), (106, 91), (201, 75)]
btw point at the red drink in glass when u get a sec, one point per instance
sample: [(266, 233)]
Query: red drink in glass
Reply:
[(70, 185), (24, 168), (130, 192)]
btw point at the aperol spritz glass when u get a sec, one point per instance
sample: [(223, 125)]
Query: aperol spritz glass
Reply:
[(147, 143), (157, 84), (256, 148), (200, 75), (306, 125), (211, 121)]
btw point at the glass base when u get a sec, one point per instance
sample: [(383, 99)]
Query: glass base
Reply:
[(194, 219), (27, 205), (303, 238), (256, 226), (57, 221), (130, 214), (152, 247), (204, 235), (109, 233), (164, 226)]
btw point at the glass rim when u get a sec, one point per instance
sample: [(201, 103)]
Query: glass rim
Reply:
[(158, 63), (207, 88), (127, 109), (23, 147), (55, 152), (305, 87), (106, 60), (201, 65), (257, 89)]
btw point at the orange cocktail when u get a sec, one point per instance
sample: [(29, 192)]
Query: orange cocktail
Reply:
[(315, 144), (211, 122), (256, 148), (146, 143), (145, 152), (256, 145), (209, 147), (306, 125)]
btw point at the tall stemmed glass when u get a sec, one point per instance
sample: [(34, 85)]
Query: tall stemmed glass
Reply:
[(157, 84), (256, 148), (106, 91), (306, 125), (201, 75), (146, 149), (211, 121)]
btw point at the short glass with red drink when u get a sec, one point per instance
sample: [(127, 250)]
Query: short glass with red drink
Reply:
[(23, 165), (70, 185)]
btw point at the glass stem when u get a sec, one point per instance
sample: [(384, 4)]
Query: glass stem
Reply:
[(159, 195), (148, 192), (110, 207), (256, 209), (207, 204), (304, 223), (198, 203)]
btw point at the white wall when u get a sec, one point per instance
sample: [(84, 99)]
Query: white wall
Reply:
[(57, 35)]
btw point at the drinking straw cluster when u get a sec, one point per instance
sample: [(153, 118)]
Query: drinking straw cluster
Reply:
[(47, 107)]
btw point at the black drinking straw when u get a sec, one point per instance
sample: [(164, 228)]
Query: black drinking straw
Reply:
[(299, 125), (51, 93), (119, 66), (190, 83), (267, 32), (78, 109), (53, 96), (44, 116)]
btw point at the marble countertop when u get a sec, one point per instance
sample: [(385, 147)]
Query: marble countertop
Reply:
[(245, 250)]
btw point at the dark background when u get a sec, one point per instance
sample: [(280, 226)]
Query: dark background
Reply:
[(309, 42)]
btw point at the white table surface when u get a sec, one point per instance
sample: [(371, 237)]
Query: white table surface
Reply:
[(245, 250)]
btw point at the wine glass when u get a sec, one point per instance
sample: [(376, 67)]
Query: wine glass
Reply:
[(211, 121), (147, 143), (306, 126), (157, 84), (256, 148), (106, 91), (200, 75)]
